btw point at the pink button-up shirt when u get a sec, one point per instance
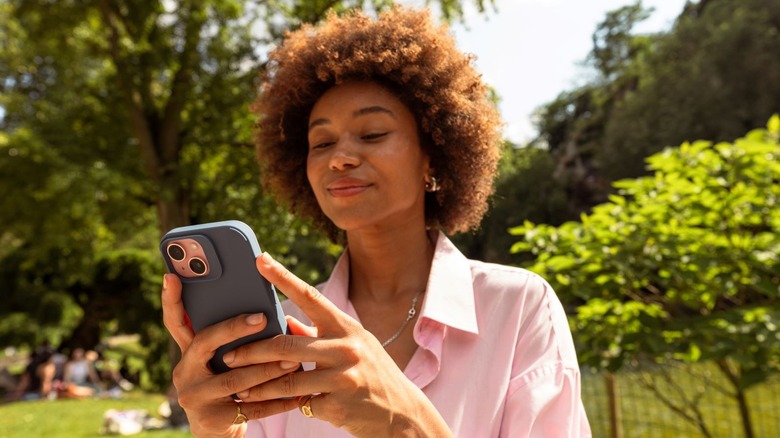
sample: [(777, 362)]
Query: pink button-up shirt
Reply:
[(495, 353)]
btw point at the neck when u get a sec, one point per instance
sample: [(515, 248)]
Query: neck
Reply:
[(385, 267)]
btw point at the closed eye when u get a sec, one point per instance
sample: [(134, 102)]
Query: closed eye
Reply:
[(374, 136), (322, 145)]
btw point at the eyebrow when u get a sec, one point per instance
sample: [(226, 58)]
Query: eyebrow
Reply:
[(357, 113)]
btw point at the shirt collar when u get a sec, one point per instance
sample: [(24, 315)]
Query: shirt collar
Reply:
[(450, 296), (449, 299)]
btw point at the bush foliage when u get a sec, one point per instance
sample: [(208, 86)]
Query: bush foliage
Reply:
[(682, 264)]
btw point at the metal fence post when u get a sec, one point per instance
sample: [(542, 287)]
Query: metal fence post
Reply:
[(615, 417)]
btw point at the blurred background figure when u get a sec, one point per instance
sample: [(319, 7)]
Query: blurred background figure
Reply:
[(37, 381), (80, 379)]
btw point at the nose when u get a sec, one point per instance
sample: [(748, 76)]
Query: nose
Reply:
[(344, 156)]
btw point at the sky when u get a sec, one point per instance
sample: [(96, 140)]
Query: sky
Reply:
[(532, 50)]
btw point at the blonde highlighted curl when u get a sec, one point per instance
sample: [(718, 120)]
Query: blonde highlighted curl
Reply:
[(404, 51)]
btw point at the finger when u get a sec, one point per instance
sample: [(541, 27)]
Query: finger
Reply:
[(319, 309), (224, 415), (208, 340), (318, 405), (296, 384), (174, 315), (236, 381), (298, 328), (253, 376), (268, 408), (287, 348), (221, 416)]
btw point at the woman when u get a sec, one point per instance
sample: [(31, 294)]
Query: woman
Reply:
[(80, 378), (37, 381), (381, 132)]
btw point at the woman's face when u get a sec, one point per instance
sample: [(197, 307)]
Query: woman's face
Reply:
[(365, 163)]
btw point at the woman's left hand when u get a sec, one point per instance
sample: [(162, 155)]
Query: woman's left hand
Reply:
[(358, 385)]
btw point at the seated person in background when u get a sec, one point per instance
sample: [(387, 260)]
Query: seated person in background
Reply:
[(37, 382), (80, 378)]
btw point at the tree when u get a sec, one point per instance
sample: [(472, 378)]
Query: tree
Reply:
[(121, 120), (683, 264), (615, 48), (572, 126), (524, 190), (714, 75)]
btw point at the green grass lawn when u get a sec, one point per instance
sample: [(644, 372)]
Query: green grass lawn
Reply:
[(75, 418)]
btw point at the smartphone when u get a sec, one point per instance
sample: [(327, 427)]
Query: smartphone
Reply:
[(216, 264)]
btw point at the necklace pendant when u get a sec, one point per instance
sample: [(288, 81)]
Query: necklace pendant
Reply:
[(409, 316)]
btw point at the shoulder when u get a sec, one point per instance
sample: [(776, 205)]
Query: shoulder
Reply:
[(513, 286), (502, 272), (512, 295), (509, 281), (525, 301)]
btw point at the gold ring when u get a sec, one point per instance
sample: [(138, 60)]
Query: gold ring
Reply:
[(240, 418), (305, 406)]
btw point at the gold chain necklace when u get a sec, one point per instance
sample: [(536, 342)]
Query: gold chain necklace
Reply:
[(409, 316)]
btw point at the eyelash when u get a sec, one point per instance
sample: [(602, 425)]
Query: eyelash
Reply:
[(367, 137), (374, 136), (322, 145)]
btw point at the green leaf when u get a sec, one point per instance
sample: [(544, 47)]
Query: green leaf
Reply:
[(773, 126)]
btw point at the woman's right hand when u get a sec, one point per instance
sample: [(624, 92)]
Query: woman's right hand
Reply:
[(204, 395)]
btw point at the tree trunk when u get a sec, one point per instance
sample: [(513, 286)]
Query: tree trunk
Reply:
[(733, 376), (86, 334), (744, 412)]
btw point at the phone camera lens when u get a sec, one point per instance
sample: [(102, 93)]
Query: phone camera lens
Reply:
[(198, 266), (176, 252)]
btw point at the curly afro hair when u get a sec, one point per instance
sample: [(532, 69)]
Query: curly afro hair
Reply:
[(404, 51)]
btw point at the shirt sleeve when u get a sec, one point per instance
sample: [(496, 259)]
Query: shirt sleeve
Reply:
[(545, 403), (544, 394)]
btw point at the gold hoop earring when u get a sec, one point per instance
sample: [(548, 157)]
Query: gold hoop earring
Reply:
[(432, 185)]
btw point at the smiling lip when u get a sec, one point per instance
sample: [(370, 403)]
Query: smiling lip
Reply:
[(345, 187)]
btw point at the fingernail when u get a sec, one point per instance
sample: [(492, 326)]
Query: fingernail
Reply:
[(229, 357), (255, 319), (243, 395), (288, 365), (266, 258), (165, 282)]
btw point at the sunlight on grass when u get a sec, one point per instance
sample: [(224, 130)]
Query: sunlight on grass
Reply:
[(75, 418)]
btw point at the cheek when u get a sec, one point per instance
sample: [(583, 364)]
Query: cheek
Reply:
[(414, 162), (312, 174), (313, 165)]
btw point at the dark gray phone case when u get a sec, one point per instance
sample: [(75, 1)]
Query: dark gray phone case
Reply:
[(232, 287)]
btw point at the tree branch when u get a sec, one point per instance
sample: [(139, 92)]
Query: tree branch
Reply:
[(139, 123), (170, 129)]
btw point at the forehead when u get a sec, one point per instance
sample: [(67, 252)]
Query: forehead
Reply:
[(353, 96)]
